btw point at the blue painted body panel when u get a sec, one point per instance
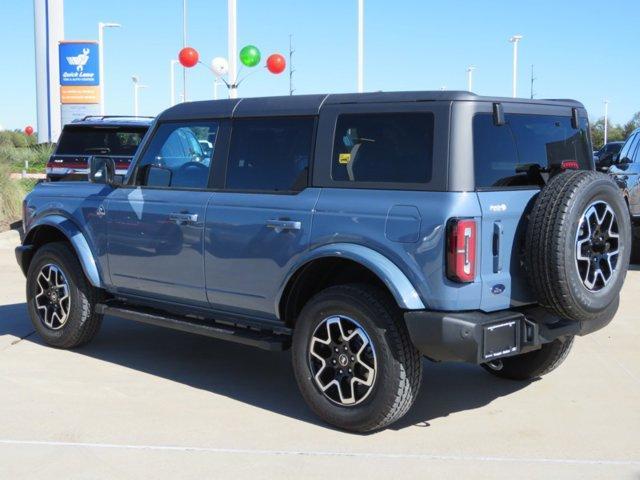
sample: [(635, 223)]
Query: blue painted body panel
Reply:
[(149, 253), (230, 259), (245, 259), (362, 217)]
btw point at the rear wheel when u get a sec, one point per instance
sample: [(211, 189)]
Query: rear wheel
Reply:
[(534, 364), (353, 360), (59, 299)]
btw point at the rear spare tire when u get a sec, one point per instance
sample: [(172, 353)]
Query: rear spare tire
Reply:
[(578, 244)]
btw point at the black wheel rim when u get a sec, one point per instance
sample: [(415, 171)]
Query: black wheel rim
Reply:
[(342, 360)]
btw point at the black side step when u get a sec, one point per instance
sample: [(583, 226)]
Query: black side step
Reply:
[(265, 340)]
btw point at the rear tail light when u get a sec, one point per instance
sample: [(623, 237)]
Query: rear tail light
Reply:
[(461, 250), (569, 165)]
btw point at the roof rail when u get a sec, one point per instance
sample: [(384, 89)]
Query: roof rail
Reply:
[(115, 116)]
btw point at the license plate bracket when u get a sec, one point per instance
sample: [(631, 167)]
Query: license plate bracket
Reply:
[(501, 339)]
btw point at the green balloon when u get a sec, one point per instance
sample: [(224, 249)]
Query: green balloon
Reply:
[(250, 56)]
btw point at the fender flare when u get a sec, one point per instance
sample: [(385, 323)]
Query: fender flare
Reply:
[(387, 271), (77, 239)]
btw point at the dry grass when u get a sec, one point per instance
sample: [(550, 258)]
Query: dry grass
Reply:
[(11, 195)]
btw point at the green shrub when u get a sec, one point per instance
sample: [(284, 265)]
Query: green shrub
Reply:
[(37, 157)]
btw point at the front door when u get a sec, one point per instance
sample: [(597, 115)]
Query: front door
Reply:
[(156, 226), (261, 223)]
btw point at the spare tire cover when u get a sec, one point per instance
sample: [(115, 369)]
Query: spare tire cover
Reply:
[(577, 245)]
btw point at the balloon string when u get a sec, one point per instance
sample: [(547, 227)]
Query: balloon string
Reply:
[(214, 72), (246, 76)]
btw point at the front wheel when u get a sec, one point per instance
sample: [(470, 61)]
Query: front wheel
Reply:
[(353, 360), (59, 299)]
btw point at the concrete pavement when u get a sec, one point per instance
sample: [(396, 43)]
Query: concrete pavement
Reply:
[(145, 402)]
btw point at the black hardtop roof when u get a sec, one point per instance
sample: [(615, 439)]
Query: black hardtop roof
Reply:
[(311, 104)]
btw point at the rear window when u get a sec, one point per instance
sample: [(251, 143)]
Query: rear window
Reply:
[(120, 141), (512, 155), (383, 148)]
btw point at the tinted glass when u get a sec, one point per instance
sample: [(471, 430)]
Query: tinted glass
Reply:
[(270, 154), (121, 141), (514, 154), (632, 153), (626, 149), (383, 148), (179, 156)]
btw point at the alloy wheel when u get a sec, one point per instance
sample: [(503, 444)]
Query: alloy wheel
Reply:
[(342, 359)]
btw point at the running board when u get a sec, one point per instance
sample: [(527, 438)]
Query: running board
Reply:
[(265, 340)]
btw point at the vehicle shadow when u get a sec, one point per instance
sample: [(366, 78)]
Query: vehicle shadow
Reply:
[(256, 377)]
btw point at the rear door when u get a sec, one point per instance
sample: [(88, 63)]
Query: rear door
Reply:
[(261, 221), (511, 164)]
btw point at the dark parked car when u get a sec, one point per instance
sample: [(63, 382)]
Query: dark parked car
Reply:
[(115, 136), (603, 158), (363, 230), (626, 172)]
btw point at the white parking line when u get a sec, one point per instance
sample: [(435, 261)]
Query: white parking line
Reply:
[(313, 453)]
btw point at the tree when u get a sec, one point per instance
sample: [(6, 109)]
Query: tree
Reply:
[(615, 133)]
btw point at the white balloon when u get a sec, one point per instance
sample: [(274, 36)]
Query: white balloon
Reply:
[(220, 66)]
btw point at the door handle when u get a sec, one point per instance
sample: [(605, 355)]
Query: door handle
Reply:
[(184, 218), (497, 240), (281, 225)]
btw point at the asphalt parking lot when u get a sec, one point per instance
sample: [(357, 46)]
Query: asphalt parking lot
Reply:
[(144, 402)]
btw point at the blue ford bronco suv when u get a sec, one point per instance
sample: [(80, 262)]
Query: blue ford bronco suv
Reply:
[(363, 230)]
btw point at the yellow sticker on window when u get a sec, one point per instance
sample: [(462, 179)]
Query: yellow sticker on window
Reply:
[(344, 158)]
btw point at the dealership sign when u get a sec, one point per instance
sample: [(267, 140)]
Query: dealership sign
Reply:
[(79, 63), (79, 79)]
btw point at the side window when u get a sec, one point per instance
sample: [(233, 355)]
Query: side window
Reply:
[(542, 142), (178, 156), (270, 154), (632, 153), (626, 148), (494, 152), (383, 148)]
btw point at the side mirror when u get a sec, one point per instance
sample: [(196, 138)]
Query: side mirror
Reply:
[(158, 176), (102, 170)]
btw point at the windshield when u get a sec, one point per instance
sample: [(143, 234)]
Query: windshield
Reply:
[(117, 141)]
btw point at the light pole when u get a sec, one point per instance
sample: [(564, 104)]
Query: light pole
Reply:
[(101, 27), (360, 45), (184, 44), (136, 86), (232, 19), (606, 120), (173, 81), (470, 70), (515, 39)]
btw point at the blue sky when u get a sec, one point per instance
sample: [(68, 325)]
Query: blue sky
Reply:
[(587, 50)]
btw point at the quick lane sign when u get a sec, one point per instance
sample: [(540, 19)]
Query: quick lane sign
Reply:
[(79, 64), (80, 89)]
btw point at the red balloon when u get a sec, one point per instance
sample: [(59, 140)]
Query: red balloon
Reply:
[(188, 57), (276, 63), (28, 130)]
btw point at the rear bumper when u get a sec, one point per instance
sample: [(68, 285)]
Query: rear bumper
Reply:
[(479, 337)]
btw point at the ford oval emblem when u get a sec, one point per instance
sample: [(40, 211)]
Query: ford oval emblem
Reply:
[(497, 289)]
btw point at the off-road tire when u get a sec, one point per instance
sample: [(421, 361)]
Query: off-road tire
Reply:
[(528, 366), (399, 368), (83, 322), (550, 244)]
